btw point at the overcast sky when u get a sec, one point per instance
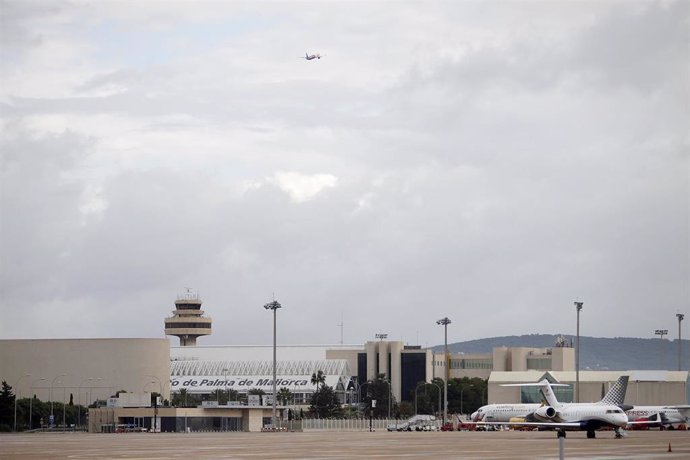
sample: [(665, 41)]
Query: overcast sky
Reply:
[(492, 162)]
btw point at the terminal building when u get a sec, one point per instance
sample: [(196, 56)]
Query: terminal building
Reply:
[(97, 369), (504, 359)]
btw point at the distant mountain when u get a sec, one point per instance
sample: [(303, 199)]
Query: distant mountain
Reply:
[(596, 353)]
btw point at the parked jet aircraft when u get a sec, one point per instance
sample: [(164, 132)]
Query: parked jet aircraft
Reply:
[(525, 412), (667, 415), (574, 416), (309, 57)]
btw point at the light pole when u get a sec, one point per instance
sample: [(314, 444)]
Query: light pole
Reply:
[(680, 317), (64, 405), (158, 381), (359, 393), (461, 391), (662, 333), (51, 395), (79, 403), (225, 384), (578, 307), (425, 384), (445, 322), (88, 397), (274, 306), (16, 392), (390, 396), (31, 400)]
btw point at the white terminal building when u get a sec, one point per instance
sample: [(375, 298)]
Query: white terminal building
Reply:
[(95, 369)]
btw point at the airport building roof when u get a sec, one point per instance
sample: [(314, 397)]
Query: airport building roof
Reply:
[(589, 376)]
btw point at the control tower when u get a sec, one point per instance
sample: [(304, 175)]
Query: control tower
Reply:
[(188, 321)]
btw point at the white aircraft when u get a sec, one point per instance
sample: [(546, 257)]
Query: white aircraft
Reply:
[(573, 416), (309, 57), (525, 412), (666, 415)]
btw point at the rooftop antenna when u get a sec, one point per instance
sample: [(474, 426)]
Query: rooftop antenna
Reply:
[(341, 328)]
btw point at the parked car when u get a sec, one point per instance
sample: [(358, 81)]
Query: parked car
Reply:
[(416, 423)]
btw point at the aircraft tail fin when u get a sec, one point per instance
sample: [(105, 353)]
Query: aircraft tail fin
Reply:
[(616, 394), (546, 390)]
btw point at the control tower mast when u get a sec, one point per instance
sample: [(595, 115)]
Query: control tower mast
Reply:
[(188, 321)]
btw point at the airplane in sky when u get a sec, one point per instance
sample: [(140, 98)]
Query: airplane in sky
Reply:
[(309, 57), (571, 416)]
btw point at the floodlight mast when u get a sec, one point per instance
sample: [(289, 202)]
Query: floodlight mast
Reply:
[(680, 317), (662, 333), (274, 306), (578, 306), (445, 322)]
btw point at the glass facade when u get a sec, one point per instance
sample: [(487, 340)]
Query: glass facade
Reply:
[(539, 364), (465, 363), (413, 371)]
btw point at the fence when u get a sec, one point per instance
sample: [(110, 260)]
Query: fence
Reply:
[(352, 424)]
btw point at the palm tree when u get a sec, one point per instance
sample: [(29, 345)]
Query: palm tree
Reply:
[(284, 396), (318, 378)]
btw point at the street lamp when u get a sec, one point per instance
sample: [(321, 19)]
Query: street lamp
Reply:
[(390, 395), (274, 306), (425, 384), (160, 384), (79, 403), (680, 317), (461, 391), (578, 307), (662, 333), (51, 395), (88, 396), (32, 400), (225, 384), (445, 322), (16, 391), (359, 393)]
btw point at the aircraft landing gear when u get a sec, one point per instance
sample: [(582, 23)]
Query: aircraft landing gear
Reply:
[(619, 433), (560, 434), (591, 434)]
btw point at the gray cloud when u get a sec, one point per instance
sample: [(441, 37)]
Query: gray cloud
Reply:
[(486, 162)]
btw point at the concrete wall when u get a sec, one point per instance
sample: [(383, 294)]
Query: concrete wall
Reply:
[(642, 392), (563, 359), (134, 365), (349, 355)]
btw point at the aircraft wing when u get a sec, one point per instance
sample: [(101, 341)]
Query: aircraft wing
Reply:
[(538, 384), (653, 420), (534, 424), (683, 409)]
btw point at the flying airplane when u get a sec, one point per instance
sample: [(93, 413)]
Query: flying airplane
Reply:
[(309, 57), (573, 416)]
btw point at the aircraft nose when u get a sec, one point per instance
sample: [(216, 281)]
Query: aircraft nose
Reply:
[(475, 416)]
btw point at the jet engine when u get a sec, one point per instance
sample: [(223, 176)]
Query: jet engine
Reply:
[(545, 413)]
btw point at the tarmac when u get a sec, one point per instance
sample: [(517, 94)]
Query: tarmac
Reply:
[(344, 445)]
